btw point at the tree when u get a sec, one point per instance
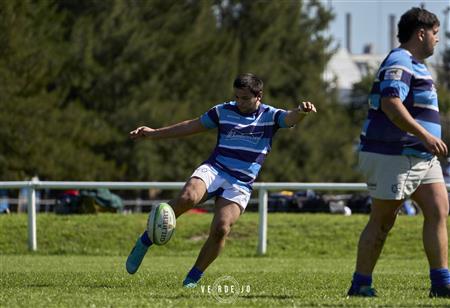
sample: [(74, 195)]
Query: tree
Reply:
[(153, 63), (38, 137), (359, 106)]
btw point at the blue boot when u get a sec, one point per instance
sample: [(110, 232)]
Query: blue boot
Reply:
[(136, 256)]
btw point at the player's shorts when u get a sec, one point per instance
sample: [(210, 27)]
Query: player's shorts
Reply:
[(217, 185), (396, 177)]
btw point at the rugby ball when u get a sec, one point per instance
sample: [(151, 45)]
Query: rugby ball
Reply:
[(161, 224)]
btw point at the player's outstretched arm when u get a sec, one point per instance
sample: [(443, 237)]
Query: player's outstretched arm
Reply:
[(296, 115), (181, 129)]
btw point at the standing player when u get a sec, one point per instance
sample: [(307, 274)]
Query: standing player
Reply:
[(399, 143), (246, 127)]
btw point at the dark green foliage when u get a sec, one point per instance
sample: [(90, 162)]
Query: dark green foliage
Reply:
[(444, 69), (77, 76), (443, 90), (359, 99), (38, 135)]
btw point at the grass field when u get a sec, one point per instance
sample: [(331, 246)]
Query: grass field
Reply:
[(310, 260)]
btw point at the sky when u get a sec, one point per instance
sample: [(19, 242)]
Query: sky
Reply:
[(370, 21)]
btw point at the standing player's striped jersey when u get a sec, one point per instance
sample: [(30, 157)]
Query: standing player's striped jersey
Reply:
[(403, 76), (243, 140)]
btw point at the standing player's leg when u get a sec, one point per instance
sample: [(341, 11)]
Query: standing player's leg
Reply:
[(433, 201), (371, 241), (226, 214), (193, 192)]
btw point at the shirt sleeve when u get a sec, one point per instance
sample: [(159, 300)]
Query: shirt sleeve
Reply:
[(210, 119), (395, 79), (280, 118)]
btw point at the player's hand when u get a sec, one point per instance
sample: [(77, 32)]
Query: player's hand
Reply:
[(435, 145), (306, 107), (140, 132)]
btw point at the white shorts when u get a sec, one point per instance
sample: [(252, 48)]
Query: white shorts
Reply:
[(216, 185), (396, 177)]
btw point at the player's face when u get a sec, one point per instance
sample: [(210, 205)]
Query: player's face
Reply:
[(430, 40), (246, 101)]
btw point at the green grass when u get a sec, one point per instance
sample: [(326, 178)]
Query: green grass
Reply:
[(87, 281), (310, 260), (289, 235)]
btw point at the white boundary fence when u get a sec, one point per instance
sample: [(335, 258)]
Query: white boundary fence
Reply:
[(262, 189)]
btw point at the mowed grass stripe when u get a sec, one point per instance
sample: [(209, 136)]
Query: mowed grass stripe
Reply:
[(289, 235)]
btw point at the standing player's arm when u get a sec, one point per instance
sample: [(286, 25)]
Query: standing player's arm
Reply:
[(181, 129), (296, 115), (399, 115)]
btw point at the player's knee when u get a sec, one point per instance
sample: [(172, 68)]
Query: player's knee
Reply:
[(374, 236), (381, 230), (439, 214), (384, 228), (188, 198), (382, 233), (220, 230)]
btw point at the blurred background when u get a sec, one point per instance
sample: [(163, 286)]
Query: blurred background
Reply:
[(77, 75)]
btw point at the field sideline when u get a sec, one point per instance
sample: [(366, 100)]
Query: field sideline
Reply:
[(299, 270)]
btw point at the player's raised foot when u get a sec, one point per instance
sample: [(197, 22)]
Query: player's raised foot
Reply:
[(362, 291), (136, 256), (189, 283), (440, 291)]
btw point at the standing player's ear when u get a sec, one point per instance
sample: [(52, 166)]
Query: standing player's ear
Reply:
[(421, 33)]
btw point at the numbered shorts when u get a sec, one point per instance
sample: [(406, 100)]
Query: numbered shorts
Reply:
[(396, 177), (217, 185)]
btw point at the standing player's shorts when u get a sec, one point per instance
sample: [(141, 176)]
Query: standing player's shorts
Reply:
[(217, 185), (396, 177)]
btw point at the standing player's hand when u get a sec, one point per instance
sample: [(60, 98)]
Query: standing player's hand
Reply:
[(436, 146), (141, 131), (306, 107)]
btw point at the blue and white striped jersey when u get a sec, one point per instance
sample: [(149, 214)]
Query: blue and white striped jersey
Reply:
[(243, 140), (403, 76)]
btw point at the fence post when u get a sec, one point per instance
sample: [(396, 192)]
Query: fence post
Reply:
[(262, 227), (32, 239)]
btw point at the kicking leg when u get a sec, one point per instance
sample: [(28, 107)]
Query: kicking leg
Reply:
[(193, 192)]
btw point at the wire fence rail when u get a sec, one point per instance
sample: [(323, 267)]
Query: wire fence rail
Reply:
[(262, 189)]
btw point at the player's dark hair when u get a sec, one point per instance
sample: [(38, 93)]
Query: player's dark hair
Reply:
[(249, 81), (414, 19)]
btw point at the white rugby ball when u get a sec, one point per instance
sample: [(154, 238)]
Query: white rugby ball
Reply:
[(161, 224)]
